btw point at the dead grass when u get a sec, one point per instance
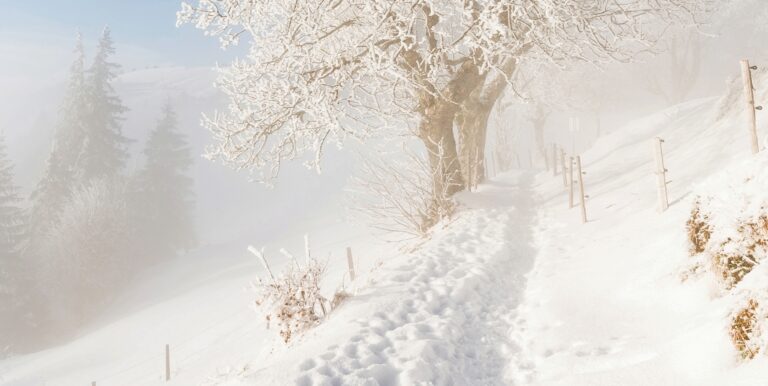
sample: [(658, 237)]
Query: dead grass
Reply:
[(294, 299), (699, 229), (737, 256), (745, 330)]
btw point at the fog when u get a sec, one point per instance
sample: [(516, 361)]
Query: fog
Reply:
[(161, 66)]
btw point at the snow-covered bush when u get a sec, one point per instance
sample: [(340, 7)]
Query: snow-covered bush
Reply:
[(728, 237), (699, 229), (728, 226), (745, 329), (293, 299), (742, 249), (87, 251), (397, 194)]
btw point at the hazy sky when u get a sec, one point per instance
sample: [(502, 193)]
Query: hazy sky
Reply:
[(37, 36), (149, 24)]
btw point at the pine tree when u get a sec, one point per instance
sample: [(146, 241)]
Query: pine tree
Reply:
[(59, 177), (11, 215), (164, 190), (12, 275), (104, 153)]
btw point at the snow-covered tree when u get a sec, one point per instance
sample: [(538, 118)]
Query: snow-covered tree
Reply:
[(87, 253), (675, 76), (59, 177), (12, 273), (103, 152), (164, 199), (318, 72), (11, 214)]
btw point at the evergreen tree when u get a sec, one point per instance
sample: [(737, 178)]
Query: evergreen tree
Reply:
[(104, 153), (12, 275), (59, 177), (164, 190), (11, 216)]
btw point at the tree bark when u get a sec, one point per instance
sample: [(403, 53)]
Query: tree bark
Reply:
[(473, 123), (436, 127)]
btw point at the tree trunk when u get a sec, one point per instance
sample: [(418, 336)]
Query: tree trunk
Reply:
[(473, 122), (436, 127)]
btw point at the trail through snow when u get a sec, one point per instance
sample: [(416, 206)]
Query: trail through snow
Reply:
[(445, 315)]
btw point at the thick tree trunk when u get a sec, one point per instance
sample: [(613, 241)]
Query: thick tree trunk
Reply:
[(473, 124), (436, 127), (437, 135)]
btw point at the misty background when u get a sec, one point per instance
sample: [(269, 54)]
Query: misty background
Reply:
[(162, 64)]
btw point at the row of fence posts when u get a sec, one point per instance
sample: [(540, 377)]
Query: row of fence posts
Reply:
[(260, 255), (658, 153), (567, 170), (567, 165)]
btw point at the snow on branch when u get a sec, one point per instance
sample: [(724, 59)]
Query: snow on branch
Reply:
[(320, 72), (396, 194)]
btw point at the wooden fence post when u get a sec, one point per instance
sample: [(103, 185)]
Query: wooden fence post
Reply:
[(581, 190), (565, 170), (350, 264), (554, 159), (746, 74), (661, 174), (570, 182), (167, 362)]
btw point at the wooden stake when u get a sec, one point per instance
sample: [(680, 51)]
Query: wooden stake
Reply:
[(746, 74), (570, 182), (307, 254), (564, 169), (350, 264), (554, 159), (661, 174), (581, 190), (167, 362)]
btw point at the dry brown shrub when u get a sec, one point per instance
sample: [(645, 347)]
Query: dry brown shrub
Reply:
[(294, 299), (735, 258), (745, 329), (699, 229)]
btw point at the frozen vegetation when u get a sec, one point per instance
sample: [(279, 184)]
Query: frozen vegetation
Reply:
[(417, 193)]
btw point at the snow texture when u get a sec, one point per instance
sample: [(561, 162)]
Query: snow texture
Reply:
[(515, 290)]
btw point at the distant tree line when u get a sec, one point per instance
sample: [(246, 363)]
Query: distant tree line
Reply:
[(89, 226)]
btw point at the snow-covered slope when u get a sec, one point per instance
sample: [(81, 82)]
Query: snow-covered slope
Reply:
[(515, 290)]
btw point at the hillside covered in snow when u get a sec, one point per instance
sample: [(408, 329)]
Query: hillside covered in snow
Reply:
[(513, 290)]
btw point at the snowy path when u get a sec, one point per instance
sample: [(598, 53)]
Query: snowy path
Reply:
[(444, 314)]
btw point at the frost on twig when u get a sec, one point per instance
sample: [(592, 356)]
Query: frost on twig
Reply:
[(292, 299), (397, 194)]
